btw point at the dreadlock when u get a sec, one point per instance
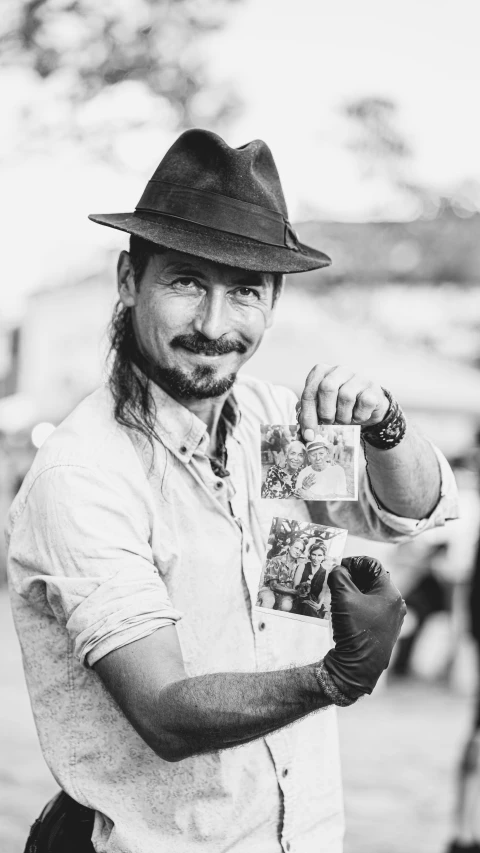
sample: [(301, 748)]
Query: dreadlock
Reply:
[(134, 405)]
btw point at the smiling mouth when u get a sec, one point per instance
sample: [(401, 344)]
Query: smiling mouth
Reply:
[(205, 355)]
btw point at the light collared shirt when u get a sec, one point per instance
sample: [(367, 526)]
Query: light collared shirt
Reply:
[(107, 545), (330, 481)]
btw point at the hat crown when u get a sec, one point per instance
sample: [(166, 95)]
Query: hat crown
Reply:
[(220, 203), (202, 160)]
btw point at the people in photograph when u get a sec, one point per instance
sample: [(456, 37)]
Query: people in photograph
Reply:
[(312, 587), (339, 449), (286, 569), (277, 439), (137, 539), (326, 431), (281, 481), (316, 553), (321, 478), (283, 573)]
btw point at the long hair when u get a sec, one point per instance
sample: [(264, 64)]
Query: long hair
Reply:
[(134, 405)]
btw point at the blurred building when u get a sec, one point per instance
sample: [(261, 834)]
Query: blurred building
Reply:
[(47, 366)]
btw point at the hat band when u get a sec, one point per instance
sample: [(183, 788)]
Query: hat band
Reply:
[(218, 211)]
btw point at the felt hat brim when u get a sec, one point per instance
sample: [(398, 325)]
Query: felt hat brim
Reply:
[(214, 245)]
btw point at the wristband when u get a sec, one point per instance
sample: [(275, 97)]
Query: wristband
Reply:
[(389, 432), (329, 687)]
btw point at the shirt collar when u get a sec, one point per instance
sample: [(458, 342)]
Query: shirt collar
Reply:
[(180, 430)]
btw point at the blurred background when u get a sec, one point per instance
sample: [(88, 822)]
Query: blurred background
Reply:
[(369, 109)]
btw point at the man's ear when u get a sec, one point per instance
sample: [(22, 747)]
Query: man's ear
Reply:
[(126, 281)]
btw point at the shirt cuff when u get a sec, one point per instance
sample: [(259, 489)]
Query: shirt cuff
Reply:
[(445, 510), (119, 612)]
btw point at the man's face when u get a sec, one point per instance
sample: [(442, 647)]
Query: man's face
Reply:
[(295, 456), (296, 549), (316, 558), (196, 321), (318, 458)]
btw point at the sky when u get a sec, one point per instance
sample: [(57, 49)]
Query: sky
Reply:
[(297, 63), (294, 64)]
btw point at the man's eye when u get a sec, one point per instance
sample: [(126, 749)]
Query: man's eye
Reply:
[(185, 284), (247, 294)]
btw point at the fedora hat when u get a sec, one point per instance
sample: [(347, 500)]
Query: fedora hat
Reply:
[(219, 203)]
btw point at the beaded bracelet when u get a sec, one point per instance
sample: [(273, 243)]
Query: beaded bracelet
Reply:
[(389, 432), (329, 687)]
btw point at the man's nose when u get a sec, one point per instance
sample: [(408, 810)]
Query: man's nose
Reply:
[(213, 315)]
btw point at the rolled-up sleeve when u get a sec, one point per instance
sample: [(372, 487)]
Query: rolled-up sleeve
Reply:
[(80, 547), (368, 519)]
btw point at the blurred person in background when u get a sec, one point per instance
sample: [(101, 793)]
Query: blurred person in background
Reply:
[(467, 832), (467, 829), (277, 440), (137, 539)]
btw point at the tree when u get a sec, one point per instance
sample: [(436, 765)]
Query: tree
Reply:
[(144, 56), (381, 148)]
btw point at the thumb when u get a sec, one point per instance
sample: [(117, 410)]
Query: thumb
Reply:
[(367, 573)]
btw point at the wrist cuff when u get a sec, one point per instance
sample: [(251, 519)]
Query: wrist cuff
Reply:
[(329, 687)]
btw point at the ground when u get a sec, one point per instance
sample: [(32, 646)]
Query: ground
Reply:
[(399, 747)]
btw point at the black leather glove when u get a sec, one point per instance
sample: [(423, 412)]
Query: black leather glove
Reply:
[(367, 614)]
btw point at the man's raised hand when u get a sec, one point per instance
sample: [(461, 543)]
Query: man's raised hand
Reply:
[(339, 395), (367, 612)]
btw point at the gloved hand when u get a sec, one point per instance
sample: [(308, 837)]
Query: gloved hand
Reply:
[(367, 612)]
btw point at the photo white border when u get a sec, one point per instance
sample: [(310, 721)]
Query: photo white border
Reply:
[(355, 462)]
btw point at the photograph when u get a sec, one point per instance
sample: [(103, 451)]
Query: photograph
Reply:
[(299, 558), (319, 470)]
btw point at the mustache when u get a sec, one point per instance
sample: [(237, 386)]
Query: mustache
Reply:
[(198, 343)]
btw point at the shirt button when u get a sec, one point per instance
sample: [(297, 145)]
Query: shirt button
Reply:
[(247, 547), (285, 772), (261, 626), (219, 484), (183, 449), (287, 845)]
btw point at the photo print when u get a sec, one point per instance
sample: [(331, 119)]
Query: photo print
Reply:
[(324, 469), (300, 556)]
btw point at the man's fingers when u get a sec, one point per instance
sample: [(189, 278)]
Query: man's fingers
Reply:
[(347, 401), (308, 418), (340, 581), (338, 395), (368, 402), (328, 393), (367, 574), (319, 397)]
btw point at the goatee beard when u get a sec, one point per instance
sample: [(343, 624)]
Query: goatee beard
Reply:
[(201, 384)]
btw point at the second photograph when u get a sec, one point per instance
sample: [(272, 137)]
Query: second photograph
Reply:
[(325, 468)]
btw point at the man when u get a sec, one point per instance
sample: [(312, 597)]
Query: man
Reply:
[(321, 478), (137, 540), (282, 482), (283, 573)]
